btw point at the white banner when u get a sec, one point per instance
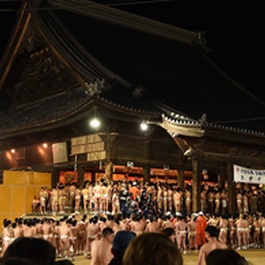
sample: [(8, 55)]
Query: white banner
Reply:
[(248, 175)]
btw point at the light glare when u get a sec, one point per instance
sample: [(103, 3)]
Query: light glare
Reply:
[(144, 126), (95, 123)]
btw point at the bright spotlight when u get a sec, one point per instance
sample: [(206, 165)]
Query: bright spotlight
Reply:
[(94, 123), (144, 126)]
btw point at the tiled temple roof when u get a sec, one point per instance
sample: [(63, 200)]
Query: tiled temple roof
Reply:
[(147, 67)]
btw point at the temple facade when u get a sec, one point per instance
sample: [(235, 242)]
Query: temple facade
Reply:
[(99, 92)]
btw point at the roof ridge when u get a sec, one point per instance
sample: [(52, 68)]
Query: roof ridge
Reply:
[(183, 121), (129, 20), (77, 55), (2, 56)]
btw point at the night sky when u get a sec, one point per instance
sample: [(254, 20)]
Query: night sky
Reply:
[(234, 31)]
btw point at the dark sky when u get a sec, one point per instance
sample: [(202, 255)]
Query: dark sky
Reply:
[(234, 31)]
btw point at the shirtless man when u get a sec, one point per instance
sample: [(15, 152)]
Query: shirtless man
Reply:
[(77, 199), (187, 195), (232, 232), (104, 192), (167, 222), (101, 249), (47, 230), (36, 205), (224, 201), (153, 193), (245, 202), (43, 199), (97, 196), (73, 238), (86, 197), (54, 199), (242, 231), (181, 229), (62, 198), (213, 220), (217, 201), (159, 197), (170, 198), (165, 198), (65, 234), (115, 202), (211, 233), (71, 197), (223, 225), (18, 227), (7, 235), (92, 231), (136, 225), (38, 223), (256, 232), (151, 225), (102, 223), (177, 200), (57, 240), (192, 233), (125, 224), (28, 229), (81, 237)]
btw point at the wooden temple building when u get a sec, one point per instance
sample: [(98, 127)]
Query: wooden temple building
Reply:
[(68, 62)]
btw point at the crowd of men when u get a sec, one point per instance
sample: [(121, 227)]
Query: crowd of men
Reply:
[(153, 198), (139, 208), (73, 234)]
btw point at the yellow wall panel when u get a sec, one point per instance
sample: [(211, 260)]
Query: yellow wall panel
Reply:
[(18, 191), (18, 199), (16, 177), (5, 202), (5, 198), (40, 178)]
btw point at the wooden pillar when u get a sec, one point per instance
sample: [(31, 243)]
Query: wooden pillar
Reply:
[(231, 189), (93, 177), (55, 176), (219, 180), (146, 173), (80, 180), (181, 177), (196, 185), (146, 167), (222, 179), (109, 140)]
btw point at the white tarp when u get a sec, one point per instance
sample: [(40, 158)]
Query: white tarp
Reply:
[(248, 175)]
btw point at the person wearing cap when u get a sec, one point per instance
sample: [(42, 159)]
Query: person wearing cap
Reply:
[(120, 242), (134, 191), (201, 224)]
